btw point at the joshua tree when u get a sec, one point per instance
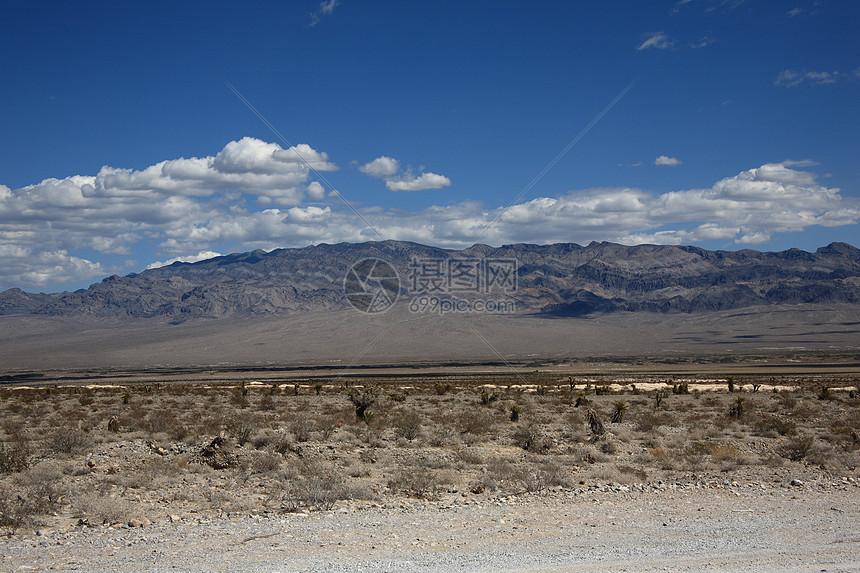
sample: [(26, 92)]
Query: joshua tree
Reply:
[(618, 414), (596, 425), (362, 401)]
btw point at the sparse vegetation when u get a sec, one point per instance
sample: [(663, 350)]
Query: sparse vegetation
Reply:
[(248, 447)]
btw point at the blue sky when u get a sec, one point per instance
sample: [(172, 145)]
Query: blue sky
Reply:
[(124, 145)]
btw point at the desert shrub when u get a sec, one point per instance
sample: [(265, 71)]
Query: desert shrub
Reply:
[(442, 435), (262, 462), (13, 458), (68, 441), (398, 397), (441, 388), (301, 428), (477, 423), (415, 481), (407, 424), (163, 421), (647, 421), (470, 456), (31, 493), (85, 398), (241, 430), (537, 478), (326, 427), (773, 425), (96, 509), (633, 473), (531, 439), (662, 456), (701, 448), (797, 448), (500, 470), (609, 447)]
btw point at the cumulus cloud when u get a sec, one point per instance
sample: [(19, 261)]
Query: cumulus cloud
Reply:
[(381, 167), (666, 160), (65, 231), (111, 212), (656, 40), (388, 169)]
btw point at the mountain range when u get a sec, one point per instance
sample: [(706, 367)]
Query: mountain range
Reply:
[(559, 280)]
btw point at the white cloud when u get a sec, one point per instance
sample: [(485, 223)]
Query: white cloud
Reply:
[(201, 256), (326, 8), (666, 160), (113, 211), (423, 182), (656, 40), (704, 42), (792, 78), (64, 231), (381, 167), (388, 169)]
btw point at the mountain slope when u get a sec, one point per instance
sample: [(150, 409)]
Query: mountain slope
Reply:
[(552, 280)]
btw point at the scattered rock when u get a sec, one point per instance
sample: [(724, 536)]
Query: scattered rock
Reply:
[(218, 455)]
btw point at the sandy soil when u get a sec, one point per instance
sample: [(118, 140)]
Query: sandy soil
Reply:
[(700, 526)]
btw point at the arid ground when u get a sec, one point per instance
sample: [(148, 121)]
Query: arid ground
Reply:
[(114, 451)]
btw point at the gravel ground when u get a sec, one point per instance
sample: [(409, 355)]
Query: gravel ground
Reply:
[(715, 526)]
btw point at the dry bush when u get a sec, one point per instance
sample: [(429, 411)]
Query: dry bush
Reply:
[(415, 481), (68, 441), (475, 422), (407, 423), (536, 478), (633, 473), (13, 458), (470, 456), (773, 426), (532, 439), (797, 448), (163, 421), (664, 458), (443, 435), (265, 463), (301, 428), (319, 486), (648, 421), (29, 494), (96, 509)]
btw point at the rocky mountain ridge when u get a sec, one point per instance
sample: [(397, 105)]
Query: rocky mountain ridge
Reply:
[(556, 280)]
